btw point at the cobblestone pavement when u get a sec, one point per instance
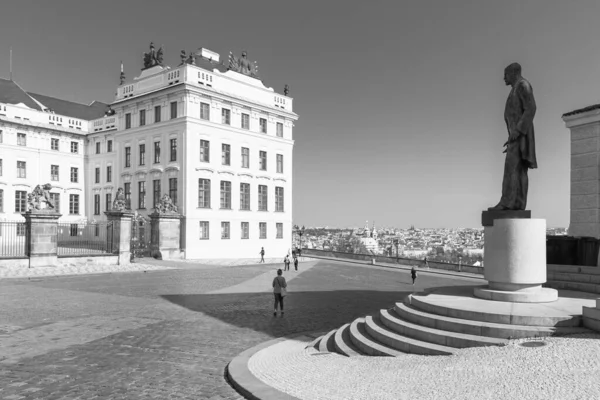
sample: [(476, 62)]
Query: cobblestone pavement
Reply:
[(162, 334), (566, 368), (25, 272)]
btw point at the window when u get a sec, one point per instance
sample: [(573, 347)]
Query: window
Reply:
[(204, 151), (225, 195), (96, 230), (225, 154), (128, 121), (21, 230), (263, 125), (142, 194), (245, 230), (109, 173), (54, 144), (204, 111), (97, 175), (224, 230), (204, 230), (73, 230), (280, 129), (245, 157), (55, 198), (203, 193), (279, 227), (97, 147), (225, 116), (21, 169), (280, 163), (142, 154), (20, 201), (156, 152), (127, 157), (173, 150), (96, 204), (156, 192), (0, 167), (74, 175), (1, 202), (244, 196), (73, 204), (173, 190), (262, 155), (108, 201), (142, 117), (174, 110), (262, 198), (157, 111), (109, 146), (127, 190), (74, 147), (262, 227), (21, 139), (278, 198), (54, 172), (245, 121)]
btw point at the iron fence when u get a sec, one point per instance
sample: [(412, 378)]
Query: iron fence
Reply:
[(13, 239), (87, 239)]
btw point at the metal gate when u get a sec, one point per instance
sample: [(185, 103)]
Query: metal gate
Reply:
[(140, 237)]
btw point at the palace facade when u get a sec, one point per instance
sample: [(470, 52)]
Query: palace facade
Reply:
[(207, 133)]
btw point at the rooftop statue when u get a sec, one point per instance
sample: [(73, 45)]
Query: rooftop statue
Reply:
[(39, 199), (286, 90), (520, 148), (166, 206), (153, 57), (242, 65), (119, 204)]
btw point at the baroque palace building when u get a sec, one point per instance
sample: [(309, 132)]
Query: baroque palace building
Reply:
[(208, 133)]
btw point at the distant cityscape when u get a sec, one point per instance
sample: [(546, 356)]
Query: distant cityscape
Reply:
[(458, 245)]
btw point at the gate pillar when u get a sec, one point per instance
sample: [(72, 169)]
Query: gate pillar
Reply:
[(121, 234), (165, 242), (41, 241)]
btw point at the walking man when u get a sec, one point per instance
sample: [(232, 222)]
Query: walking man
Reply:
[(296, 263), (413, 274), (286, 263), (262, 254)]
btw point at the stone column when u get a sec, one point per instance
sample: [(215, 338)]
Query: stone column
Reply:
[(514, 258), (41, 239), (121, 234), (165, 236)]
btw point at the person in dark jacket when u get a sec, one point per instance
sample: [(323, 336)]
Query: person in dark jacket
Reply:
[(262, 254), (413, 274), (279, 289), (296, 263)]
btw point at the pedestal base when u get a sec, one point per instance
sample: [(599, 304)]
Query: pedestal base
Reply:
[(541, 295)]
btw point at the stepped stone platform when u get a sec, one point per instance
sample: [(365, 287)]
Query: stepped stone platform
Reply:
[(442, 320)]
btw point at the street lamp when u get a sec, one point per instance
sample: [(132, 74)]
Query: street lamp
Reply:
[(300, 233)]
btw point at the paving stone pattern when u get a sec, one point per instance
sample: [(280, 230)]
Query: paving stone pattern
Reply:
[(161, 334)]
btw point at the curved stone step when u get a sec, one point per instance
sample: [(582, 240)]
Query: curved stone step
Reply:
[(477, 328), (420, 302), (326, 344), (383, 334), (574, 277), (458, 340), (361, 339), (577, 286), (343, 344)]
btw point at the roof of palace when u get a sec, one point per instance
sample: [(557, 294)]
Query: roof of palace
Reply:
[(12, 93), (582, 110)]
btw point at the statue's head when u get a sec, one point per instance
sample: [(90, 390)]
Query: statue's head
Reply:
[(512, 73), (47, 186), (244, 54)]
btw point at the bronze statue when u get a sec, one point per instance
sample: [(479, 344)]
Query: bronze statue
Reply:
[(242, 65), (153, 57), (40, 196), (122, 78), (286, 90), (520, 147), (119, 203), (183, 57), (191, 59), (166, 206)]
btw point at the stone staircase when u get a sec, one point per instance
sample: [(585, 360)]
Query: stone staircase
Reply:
[(431, 325), (572, 277)]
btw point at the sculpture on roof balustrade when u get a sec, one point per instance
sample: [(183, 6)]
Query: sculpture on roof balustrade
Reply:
[(243, 65), (153, 57), (189, 58), (39, 199), (286, 90)]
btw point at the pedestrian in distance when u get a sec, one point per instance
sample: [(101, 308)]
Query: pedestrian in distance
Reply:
[(286, 263), (279, 291), (294, 253), (296, 263), (413, 274), (426, 263), (262, 254)]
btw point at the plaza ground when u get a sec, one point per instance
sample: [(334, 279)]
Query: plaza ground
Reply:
[(170, 333)]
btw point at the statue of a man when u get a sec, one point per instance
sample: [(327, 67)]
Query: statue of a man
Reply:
[(245, 65), (520, 147)]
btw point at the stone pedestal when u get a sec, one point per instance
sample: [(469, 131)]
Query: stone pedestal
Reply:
[(165, 237), (122, 234), (41, 239), (515, 258)]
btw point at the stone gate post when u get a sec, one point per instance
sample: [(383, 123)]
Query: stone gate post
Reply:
[(121, 234), (41, 239), (165, 241)]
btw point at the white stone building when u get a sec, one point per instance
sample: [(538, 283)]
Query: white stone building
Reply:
[(217, 141)]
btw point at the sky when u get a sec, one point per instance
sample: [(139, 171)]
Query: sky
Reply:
[(400, 103)]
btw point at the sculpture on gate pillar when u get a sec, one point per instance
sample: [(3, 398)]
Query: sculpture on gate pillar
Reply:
[(39, 199), (166, 206), (119, 203), (520, 147)]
